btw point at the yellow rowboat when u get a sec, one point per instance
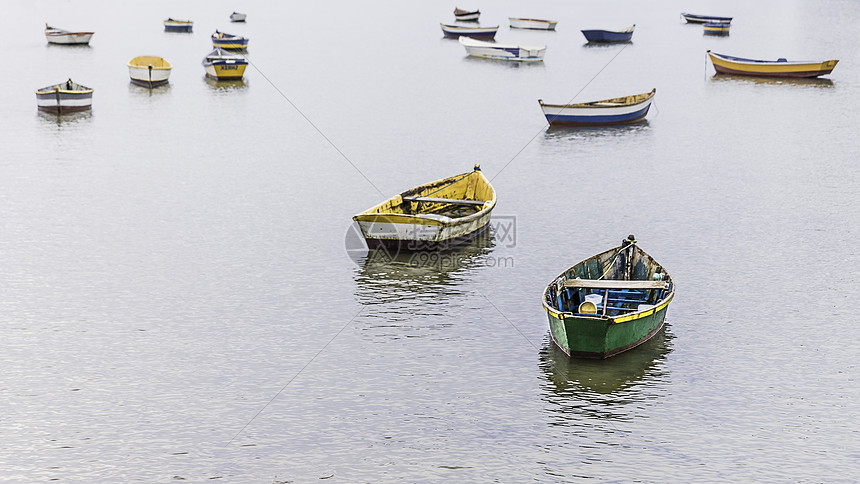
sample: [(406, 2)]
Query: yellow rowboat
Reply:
[(222, 65), (149, 71), (434, 216), (738, 66)]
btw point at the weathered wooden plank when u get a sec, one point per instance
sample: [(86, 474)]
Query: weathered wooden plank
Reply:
[(443, 200), (613, 284)]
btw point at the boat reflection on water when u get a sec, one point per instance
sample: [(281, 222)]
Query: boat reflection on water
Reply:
[(226, 85), (562, 134), (67, 118), (413, 292), (640, 366), (814, 82)]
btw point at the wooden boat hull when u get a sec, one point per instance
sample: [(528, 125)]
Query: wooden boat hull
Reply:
[(607, 112), (149, 71), (608, 35), (59, 99), (171, 25), (454, 31), (530, 23), (421, 219), (738, 66), (701, 19), (69, 38), (716, 28), (488, 50), (631, 303)]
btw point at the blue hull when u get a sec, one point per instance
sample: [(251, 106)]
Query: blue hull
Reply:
[(597, 120), (607, 36)]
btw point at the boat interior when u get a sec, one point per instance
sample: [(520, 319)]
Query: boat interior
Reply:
[(616, 282)]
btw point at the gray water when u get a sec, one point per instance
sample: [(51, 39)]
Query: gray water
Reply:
[(180, 301)]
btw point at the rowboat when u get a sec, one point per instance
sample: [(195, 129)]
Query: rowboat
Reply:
[(475, 32), (229, 41), (172, 25), (60, 36), (609, 35), (608, 303), (466, 15), (237, 17), (437, 215), (725, 64), (621, 110), (149, 71), (701, 19), (222, 65), (532, 23), (64, 97), (491, 50), (716, 28)]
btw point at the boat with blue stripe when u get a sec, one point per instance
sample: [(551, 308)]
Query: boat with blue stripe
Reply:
[(229, 41), (173, 25), (607, 112), (609, 35), (692, 18)]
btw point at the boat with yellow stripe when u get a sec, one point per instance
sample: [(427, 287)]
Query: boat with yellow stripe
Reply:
[(229, 41), (738, 66), (434, 216), (224, 66), (608, 303)]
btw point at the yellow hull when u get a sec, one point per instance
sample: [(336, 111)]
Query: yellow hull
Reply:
[(227, 71), (782, 68)]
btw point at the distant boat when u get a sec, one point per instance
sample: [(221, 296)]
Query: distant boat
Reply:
[(738, 66), (229, 41), (717, 28), (172, 25), (700, 19), (64, 97), (531, 23), (149, 71), (621, 110), (237, 17), (60, 36), (491, 50), (466, 15), (222, 65), (434, 216), (608, 303), (474, 32), (609, 35)]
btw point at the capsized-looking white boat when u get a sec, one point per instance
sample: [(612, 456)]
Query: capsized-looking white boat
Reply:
[(532, 23), (433, 216), (492, 50), (149, 70), (237, 17), (60, 36)]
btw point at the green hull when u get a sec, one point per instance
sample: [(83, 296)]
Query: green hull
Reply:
[(596, 337)]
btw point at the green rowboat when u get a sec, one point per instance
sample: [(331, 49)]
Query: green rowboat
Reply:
[(608, 303)]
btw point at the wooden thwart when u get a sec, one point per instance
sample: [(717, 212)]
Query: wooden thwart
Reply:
[(613, 284), (443, 200)]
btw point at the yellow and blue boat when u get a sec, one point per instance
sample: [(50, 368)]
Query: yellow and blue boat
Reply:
[(222, 65), (738, 66), (435, 216), (608, 303), (229, 41), (173, 25), (716, 28)]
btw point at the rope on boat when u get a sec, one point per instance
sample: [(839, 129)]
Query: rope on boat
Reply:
[(626, 244)]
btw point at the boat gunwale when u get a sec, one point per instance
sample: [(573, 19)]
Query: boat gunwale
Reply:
[(597, 104), (53, 89)]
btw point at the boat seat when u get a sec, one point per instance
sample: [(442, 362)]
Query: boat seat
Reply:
[(444, 200), (614, 284)]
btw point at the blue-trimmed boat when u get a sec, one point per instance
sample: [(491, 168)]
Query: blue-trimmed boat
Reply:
[(64, 97), (229, 41), (692, 18), (608, 303), (621, 110), (222, 65), (455, 31), (173, 25), (716, 28), (609, 35), (466, 15)]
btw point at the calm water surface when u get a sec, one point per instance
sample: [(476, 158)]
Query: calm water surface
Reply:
[(179, 301)]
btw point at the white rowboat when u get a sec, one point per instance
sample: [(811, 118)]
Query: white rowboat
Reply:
[(530, 23), (492, 50)]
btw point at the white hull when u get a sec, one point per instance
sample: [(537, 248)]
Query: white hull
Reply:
[(423, 233), (142, 75), (70, 104), (490, 50), (562, 111), (238, 17), (70, 38), (523, 23)]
